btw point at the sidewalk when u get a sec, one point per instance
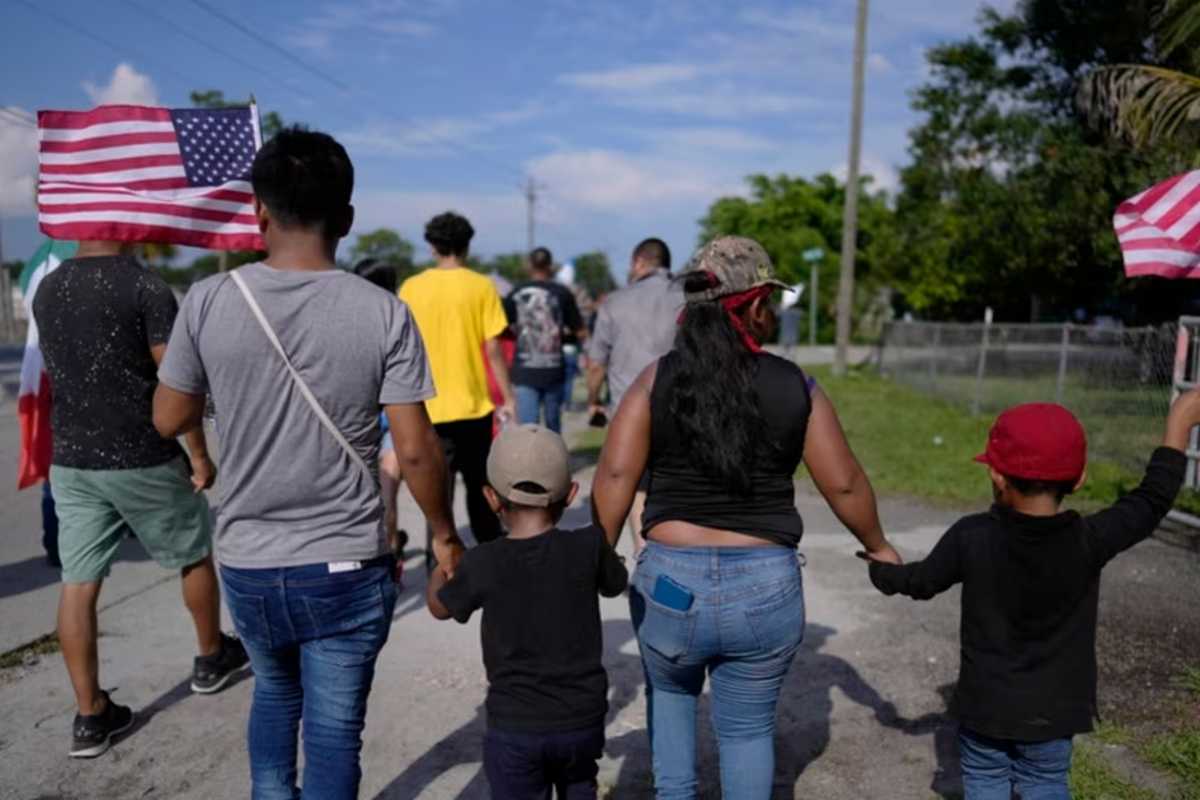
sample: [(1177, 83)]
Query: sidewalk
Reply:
[(862, 714)]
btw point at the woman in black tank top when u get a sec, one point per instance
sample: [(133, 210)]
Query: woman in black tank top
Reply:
[(721, 428)]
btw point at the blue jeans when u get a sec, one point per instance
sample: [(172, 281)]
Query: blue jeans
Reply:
[(530, 400), (992, 768), (742, 631), (313, 637)]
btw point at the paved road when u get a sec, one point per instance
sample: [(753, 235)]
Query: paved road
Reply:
[(862, 713)]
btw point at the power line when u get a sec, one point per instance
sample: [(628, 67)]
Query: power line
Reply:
[(234, 57), (84, 32), (436, 137), (269, 44)]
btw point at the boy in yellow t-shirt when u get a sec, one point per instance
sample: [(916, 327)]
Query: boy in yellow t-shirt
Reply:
[(460, 316)]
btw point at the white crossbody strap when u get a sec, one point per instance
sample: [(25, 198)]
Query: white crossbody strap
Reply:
[(300, 384)]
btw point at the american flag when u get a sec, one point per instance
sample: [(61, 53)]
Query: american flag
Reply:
[(1159, 230), (141, 174)]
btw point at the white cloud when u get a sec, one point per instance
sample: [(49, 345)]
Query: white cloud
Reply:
[(406, 138), (387, 18), (18, 164), (721, 101), (879, 63), (732, 140), (610, 180), (884, 175), (806, 21), (495, 216), (126, 85), (638, 77)]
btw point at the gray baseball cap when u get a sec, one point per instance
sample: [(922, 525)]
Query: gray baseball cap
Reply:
[(529, 454), (738, 265)]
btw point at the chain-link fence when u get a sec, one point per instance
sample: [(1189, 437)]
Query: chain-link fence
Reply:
[(1117, 380)]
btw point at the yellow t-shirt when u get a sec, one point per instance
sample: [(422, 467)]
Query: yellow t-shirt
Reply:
[(456, 310)]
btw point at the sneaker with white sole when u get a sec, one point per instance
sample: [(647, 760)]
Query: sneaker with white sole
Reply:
[(92, 734), (212, 673)]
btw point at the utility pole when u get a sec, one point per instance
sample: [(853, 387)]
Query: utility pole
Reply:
[(530, 190), (845, 300)]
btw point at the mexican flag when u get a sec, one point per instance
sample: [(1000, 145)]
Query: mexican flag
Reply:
[(33, 402)]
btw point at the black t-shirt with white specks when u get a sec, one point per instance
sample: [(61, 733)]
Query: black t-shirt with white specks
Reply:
[(97, 319)]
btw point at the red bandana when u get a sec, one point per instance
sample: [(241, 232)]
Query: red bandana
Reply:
[(733, 304)]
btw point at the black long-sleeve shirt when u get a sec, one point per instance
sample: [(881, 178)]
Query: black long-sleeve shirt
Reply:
[(542, 636), (1030, 593)]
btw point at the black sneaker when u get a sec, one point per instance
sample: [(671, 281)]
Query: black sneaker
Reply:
[(92, 734), (211, 673)]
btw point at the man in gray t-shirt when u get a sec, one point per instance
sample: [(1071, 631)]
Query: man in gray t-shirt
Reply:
[(635, 327), (304, 558)]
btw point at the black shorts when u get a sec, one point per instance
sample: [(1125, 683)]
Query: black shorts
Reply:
[(644, 481)]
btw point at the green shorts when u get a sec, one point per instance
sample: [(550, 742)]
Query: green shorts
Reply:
[(96, 506)]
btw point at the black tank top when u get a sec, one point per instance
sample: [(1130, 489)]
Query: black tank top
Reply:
[(680, 491)]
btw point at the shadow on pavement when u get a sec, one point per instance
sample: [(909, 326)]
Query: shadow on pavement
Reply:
[(806, 709), (464, 746), (172, 697), (32, 574)]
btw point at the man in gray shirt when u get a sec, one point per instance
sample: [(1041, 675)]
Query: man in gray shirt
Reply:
[(304, 557), (635, 327)]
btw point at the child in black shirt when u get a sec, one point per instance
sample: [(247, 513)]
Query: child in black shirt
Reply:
[(1031, 575), (542, 642)]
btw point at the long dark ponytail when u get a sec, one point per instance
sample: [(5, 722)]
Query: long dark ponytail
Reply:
[(712, 396)]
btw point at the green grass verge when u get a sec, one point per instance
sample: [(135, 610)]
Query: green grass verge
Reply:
[(912, 444), (42, 646), (1093, 779), (1179, 754)]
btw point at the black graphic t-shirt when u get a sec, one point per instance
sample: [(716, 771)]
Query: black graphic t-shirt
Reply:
[(97, 319), (540, 312)]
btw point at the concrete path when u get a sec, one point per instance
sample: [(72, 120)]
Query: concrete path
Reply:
[(862, 713)]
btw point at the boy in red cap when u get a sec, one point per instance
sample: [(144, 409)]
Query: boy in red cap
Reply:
[(1031, 576)]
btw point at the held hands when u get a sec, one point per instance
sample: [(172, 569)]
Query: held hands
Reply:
[(448, 551), (204, 472), (885, 554)]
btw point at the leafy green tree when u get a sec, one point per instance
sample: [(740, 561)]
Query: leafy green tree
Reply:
[(272, 122), (1009, 197), (592, 272), (789, 216), (386, 245), (513, 267), (1149, 103)]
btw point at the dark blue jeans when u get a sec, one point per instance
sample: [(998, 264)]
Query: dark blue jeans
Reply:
[(532, 399), (741, 632), (992, 768), (313, 637), (527, 766)]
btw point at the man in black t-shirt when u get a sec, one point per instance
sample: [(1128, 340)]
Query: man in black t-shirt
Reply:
[(104, 322), (541, 311), (542, 640)]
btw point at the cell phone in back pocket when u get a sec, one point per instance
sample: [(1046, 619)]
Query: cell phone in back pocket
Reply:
[(672, 595)]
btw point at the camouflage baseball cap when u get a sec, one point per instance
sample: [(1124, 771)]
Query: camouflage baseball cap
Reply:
[(738, 264)]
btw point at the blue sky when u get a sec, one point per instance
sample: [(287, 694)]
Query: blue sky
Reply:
[(633, 116)]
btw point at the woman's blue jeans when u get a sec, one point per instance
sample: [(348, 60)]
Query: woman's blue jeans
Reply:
[(742, 631), (313, 637)]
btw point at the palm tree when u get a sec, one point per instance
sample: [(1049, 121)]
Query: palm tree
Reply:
[(1151, 104)]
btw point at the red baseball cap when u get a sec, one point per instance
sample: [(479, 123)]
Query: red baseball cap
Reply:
[(1037, 442)]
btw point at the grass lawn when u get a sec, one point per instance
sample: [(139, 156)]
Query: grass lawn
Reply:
[(914, 445)]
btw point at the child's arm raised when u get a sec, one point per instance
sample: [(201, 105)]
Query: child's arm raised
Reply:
[(1136, 515), (454, 598), (921, 580)]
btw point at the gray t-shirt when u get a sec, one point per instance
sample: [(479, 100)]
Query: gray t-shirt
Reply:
[(289, 494), (634, 328)]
